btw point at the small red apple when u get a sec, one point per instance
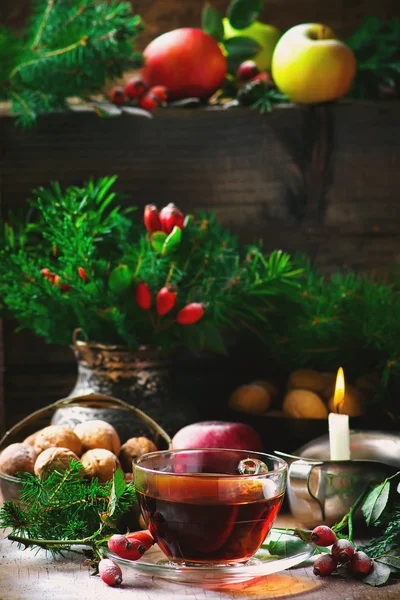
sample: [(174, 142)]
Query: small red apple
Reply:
[(218, 434), (189, 62)]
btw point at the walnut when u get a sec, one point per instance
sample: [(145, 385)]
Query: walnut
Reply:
[(100, 463), (98, 434), (307, 379), (135, 447), (251, 398), (17, 458), (60, 436), (303, 404), (270, 387), (53, 459)]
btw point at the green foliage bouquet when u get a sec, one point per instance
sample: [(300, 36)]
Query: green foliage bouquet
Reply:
[(80, 260)]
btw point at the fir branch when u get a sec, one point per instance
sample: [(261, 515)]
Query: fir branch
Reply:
[(50, 5)]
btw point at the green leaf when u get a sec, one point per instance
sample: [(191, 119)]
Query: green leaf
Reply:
[(286, 546), (242, 13), (117, 489), (379, 574), (211, 22), (120, 279), (391, 561), (376, 502), (157, 240), (241, 48), (173, 240)]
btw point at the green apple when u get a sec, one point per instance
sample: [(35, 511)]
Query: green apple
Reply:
[(310, 65), (265, 35)]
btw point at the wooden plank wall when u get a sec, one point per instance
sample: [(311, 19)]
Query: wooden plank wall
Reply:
[(163, 15)]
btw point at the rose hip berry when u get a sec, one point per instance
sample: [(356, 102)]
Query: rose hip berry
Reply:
[(82, 274), (117, 95), (149, 101), (342, 550), (190, 314), (132, 549), (151, 218), (160, 92), (143, 536), (360, 564), (323, 536), (110, 572), (143, 296), (165, 300), (324, 565), (135, 88), (170, 217), (247, 70)]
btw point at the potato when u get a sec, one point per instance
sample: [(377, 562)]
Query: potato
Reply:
[(306, 379), (57, 436), (98, 434), (100, 463), (17, 458), (53, 459), (251, 398), (134, 447), (303, 404)]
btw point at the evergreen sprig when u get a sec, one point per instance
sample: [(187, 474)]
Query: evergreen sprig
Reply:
[(86, 228), (70, 48), (66, 510)]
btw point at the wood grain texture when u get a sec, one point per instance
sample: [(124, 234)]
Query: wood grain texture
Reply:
[(26, 575), (163, 15)]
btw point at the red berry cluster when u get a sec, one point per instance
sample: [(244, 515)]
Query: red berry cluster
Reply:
[(165, 221), (248, 71), (342, 552), (136, 91), (130, 546)]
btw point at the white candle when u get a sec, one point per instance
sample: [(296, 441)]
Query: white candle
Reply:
[(339, 429)]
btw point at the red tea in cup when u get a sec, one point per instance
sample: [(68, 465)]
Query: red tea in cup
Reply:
[(201, 509)]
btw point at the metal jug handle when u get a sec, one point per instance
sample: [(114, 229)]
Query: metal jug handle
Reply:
[(299, 480)]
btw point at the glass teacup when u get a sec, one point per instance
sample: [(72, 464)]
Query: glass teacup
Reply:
[(209, 506)]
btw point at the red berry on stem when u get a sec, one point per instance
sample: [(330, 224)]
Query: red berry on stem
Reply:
[(360, 564), (342, 550), (131, 549), (324, 565), (143, 536), (135, 88), (149, 101), (165, 300), (247, 70), (170, 217), (143, 296), (64, 287), (117, 95), (160, 91), (151, 218), (264, 77), (110, 572), (82, 274), (190, 314), (323, 536)]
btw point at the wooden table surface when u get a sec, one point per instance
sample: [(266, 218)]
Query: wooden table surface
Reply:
[(26, 575)]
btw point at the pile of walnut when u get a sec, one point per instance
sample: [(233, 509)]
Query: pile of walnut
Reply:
[(309, 395), (95, 443)]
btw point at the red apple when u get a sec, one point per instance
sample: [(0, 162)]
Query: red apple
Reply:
[(218, 434), (188, 62)]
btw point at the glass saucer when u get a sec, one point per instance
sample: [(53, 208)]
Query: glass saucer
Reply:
[(155, 564)]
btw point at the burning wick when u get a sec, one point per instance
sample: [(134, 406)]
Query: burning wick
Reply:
[(339, 429)]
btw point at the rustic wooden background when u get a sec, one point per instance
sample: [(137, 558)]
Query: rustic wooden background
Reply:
[(164, 15), (322, 181)]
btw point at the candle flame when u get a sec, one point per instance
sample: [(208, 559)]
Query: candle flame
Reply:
[(339, 390)]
